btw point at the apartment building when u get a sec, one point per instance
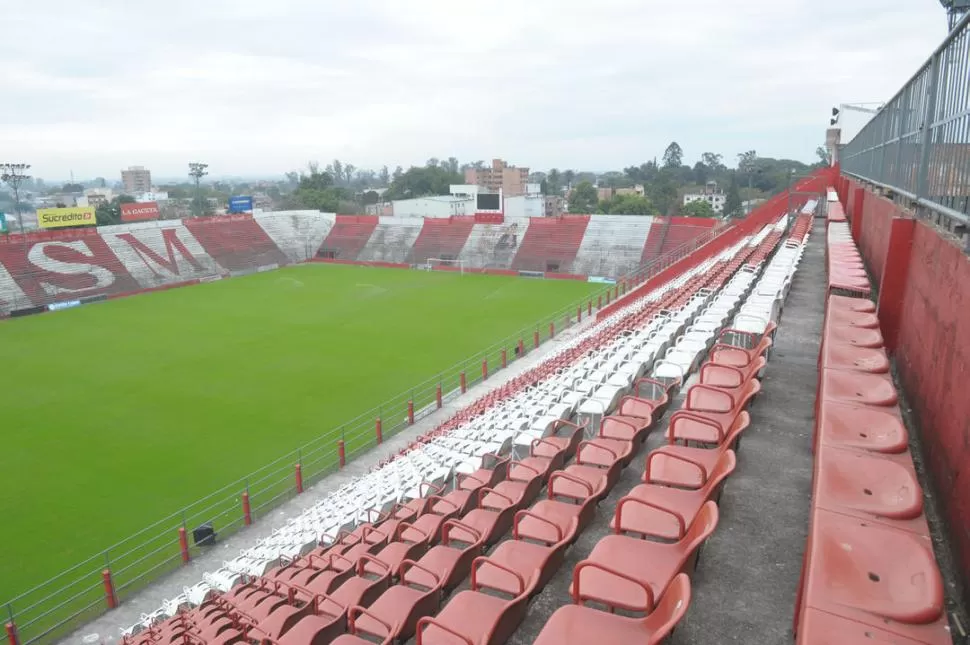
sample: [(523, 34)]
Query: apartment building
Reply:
[(137, 179), (510, 180)]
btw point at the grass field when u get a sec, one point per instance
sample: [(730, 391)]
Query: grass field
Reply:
[(119, 413)]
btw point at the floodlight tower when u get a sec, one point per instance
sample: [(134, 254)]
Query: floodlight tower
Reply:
[(197, 171), (14, 174), (955, 11)]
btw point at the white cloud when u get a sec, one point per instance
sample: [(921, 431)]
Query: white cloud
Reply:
[(256, 87)]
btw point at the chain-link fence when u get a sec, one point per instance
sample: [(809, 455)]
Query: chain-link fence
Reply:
[(918, 145)]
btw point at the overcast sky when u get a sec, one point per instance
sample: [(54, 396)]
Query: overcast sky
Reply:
[(258, 87)]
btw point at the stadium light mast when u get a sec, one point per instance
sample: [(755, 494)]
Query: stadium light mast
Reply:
[(14, 174), (197, 171), (955, 11)]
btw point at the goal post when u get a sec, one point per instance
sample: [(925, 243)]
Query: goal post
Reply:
[(434, 264)]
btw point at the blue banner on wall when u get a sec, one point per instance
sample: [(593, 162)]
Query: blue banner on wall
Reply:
[(241, 204)]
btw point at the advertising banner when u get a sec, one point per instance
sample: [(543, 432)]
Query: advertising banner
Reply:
[(139, 212), (241, 204), (61, 217)]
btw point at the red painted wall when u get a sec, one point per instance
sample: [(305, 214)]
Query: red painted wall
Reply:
[(877, 213), (933, 358), (932, 352)]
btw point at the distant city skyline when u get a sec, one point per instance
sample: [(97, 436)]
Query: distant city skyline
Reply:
[(250, 87)]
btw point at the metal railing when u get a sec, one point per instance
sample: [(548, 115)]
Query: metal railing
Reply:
[(918, 145), (55, 607)]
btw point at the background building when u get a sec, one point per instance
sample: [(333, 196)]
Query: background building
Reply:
[(501, 177), (712, 195), (137, 179)]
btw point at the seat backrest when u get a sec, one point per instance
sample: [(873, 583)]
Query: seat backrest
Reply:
[(700, 529), (669, 611), (725, 465)]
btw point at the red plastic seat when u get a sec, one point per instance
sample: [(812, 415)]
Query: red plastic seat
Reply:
[(608, 574), (491, 519), (857, 388), (535, 563), (849, 318), (475, 618), (522, 486), (854, 336), (843, 356), (686, 467), (565, 438), (360, 589), (864, 428), (352, 636), (854, 305), (637, 408), (449, 564), (462, 496), (430, 522), (327, 621), (869, 487), (570, 518), (729, 376), (394, 615), (664, 512), (544, 457), (875, 576), (409, 543), (823, 628), (577, 624), (586, 468), (657, 393)]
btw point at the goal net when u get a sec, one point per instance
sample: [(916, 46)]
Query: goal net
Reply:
[(436, 264)]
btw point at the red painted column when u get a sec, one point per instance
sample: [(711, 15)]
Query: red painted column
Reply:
[(599, 301), (608, 292), (535, 338), (184, 545), (12, 634), (485, 370), (858, 201), (893, 285), (521, 347), (410, 412), (342, 453), (589, 308), (552, 330), (579, 314), (505, 358), (437, 396), (464, 383), (109, 589), (247, 510), (379, 430)]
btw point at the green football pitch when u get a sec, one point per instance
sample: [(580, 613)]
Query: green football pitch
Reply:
[(120, 413)]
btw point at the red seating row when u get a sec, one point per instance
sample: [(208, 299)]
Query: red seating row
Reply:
[(659, 526), (868, 569)]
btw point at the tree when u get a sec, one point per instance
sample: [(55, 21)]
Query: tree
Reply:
[(628, 205), (349, 172), (432, 162), (110, 212), (420, 182), (554, 181), (701, 173), (673, 155), (747, 165), (370, 197), (698, 208), (583, 198), (824, 156), (713, 160), (336, 170), (569, 177), (72, 188), (293, 178), (451, 165), (732, 202), (663, 191), (385, 177)]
